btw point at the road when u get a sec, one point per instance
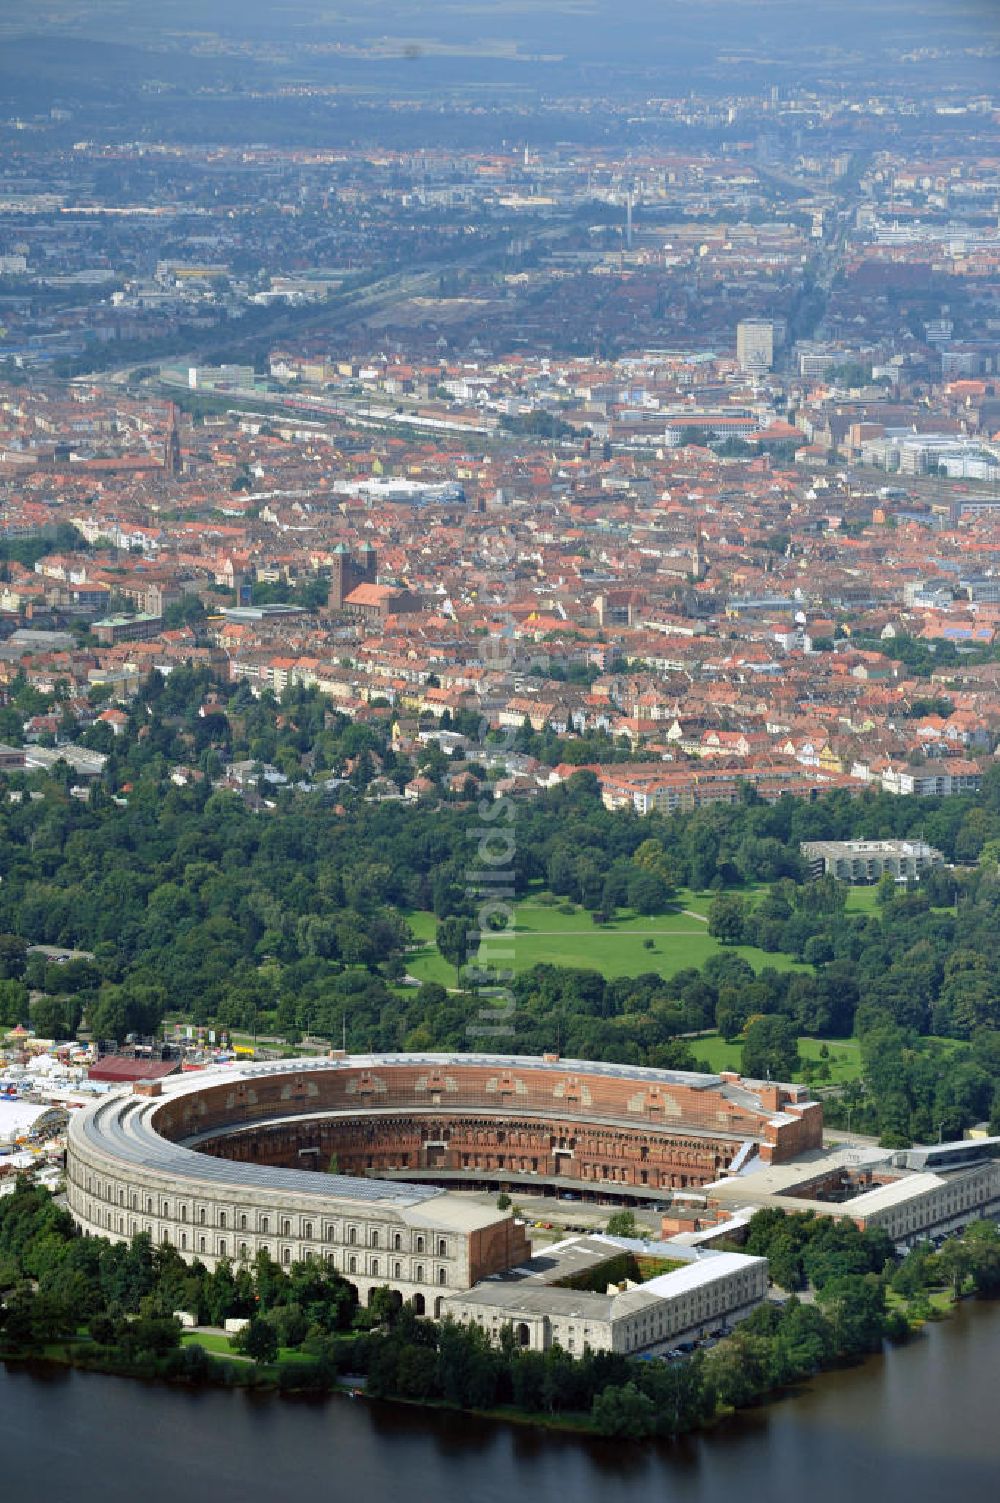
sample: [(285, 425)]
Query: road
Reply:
[(343, 308)]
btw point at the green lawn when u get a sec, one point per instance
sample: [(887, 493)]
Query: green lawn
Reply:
[(863, 900), (543, 934), (844, 1059), (217, 1345), (936, 1303)]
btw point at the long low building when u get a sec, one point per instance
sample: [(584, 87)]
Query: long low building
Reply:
[(702, 1292), (865, 861), (910, 1194)]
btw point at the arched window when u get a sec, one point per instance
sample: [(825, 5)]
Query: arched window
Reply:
[(286, 1227), (420, 1244), (184, 1241), (374, 1268), (201, 1244), (307, 1230), (397, 1243), (286, 1256), (374, 1237), (222, 1218), (352, 1235), (418, 1273), (397, 1270), (352, 1265), (243, 1221), (442, 1248), (442, 1275), (222, 1247), (243, 1250), (201, 1216), (265, 1224)]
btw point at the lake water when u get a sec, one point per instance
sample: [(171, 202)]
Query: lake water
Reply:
[(917, 1425)]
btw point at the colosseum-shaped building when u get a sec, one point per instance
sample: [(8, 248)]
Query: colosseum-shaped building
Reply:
[(224, 1163)]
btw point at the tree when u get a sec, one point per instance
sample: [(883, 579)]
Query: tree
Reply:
[(955, 1263), (291, 1324), (770, 1049), (13, 956), (623, 1411), (416, 1372), (785, 1263), (622, 1224), (855, 1308), (983, 1243), (381, 1306), (727, 918), (453, 940), (13, 1003), (258, 1339), (737, 1369), (648, 893), (55, 1017)]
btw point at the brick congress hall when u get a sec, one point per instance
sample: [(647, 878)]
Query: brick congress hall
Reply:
[(218, 1163)]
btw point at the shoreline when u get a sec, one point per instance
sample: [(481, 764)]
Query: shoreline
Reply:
[(231, 1375)]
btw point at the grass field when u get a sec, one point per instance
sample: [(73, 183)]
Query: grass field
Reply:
[(219, 1347), (844, 1059), (545, 935), (863, 900)]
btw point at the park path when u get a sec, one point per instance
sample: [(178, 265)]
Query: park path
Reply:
[(597, 929)]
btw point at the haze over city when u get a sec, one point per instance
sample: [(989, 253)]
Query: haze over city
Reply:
[(499, 736)]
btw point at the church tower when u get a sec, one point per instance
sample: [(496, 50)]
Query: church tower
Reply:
[(339, 587), (172, 447), (699, 563)]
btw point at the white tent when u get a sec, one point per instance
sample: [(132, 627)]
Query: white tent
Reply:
[(27, 1119)]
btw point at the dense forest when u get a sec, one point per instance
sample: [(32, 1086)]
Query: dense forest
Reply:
[(283, 907)]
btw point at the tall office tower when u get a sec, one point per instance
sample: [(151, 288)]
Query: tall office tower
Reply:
[(755, 344)]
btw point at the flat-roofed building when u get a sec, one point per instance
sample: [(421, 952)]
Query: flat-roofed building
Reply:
[(911, 1194), (703, 1291), (127, 629), (865, 861), (755, 344)]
